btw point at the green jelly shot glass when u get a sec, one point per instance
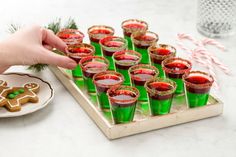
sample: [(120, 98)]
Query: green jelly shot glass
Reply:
[(174, 69), (110, 45), (160, 94), (123, 100), (130, 26), (158, 53), (197, 88), (71, 36), (141, 42), (98, 32), (139, 74), (77, 52), (90, 66), (103, 81), (124, 60)]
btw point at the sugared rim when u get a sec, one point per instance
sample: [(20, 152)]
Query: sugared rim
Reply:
[(152, 49), (113, 38), (78, 46), (143, 66), (198, 73), (91, 59), (142, 42), (122, 87), (72, 31), (108, 73), (100, 36), (130, 30), (130, 52), (172, 71), (156, 92)]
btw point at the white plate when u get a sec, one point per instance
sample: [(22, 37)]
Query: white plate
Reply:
[(45, 93)]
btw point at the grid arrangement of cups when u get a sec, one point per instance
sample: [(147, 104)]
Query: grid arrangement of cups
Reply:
[(133, 71)]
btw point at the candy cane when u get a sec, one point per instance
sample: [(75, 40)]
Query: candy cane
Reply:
[(201, 55)]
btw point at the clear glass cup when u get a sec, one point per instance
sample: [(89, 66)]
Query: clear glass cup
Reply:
[(216, 18)]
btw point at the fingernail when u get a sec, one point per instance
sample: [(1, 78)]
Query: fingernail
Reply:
[(71, 65)]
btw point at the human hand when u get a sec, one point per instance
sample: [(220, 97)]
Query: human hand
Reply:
[(33, 45)]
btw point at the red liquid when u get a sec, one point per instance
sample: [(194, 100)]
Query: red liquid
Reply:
[(126, 59), (144, 38), (69, 36), (104, 82), (92, 68), (134, 27), (198, 80), (123, 95), (79, 52), (101, 33), (162, 52), (161, 86), (177, 66), (140, 76), (115, 44)]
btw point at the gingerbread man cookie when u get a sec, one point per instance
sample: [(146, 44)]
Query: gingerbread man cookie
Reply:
[(13, 97)]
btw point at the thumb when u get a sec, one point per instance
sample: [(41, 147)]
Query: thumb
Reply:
[(51, 58)]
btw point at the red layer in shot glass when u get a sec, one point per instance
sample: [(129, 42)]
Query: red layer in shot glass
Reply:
[(71, 36), (174, 69), (130, 26), (158, 53), (77, 52), (110, 45), (141, 42), (98, 32), (197, 86)]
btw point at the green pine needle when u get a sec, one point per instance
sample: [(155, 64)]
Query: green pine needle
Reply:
[(71, 24), (55, 26)]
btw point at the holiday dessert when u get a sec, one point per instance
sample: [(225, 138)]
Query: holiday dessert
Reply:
[(13, 97)]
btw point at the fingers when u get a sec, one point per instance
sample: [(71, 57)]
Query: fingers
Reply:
[(51, 39), (49, 57)]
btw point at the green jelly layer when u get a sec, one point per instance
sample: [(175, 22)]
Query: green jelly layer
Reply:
[(89, 85), (197, 100), (77, 72), (103, 100), (123, 114), (180, 85), (145, 57), (130, 43), (160, 107), (125, 73), (98, 51), (142, 92), (159, 67), (111, 66)]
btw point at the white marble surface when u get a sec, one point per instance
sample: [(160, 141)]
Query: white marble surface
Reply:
[(64, 129)]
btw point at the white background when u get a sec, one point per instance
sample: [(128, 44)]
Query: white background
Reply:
[(64, 129)]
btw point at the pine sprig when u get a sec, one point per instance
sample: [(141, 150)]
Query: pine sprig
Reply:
[(71, 24)]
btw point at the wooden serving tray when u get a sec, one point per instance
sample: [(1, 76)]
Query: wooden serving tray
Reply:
[(143, 122)]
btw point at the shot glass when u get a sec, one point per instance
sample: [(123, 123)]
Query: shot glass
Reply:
[(77, 52), (71, 36), (98, 32), (110, 45), (124, 60), (130, 26), (174, 69), (160, 93), (123, 100), (158, 53), (90, 66), (197, 88), (141, 42), (139, 74), (103, 81)]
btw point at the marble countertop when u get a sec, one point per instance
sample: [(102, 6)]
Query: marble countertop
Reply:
[(64, 129)]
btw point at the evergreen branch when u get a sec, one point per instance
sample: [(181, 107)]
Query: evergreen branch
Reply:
[(13, 28), (71, 24)]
